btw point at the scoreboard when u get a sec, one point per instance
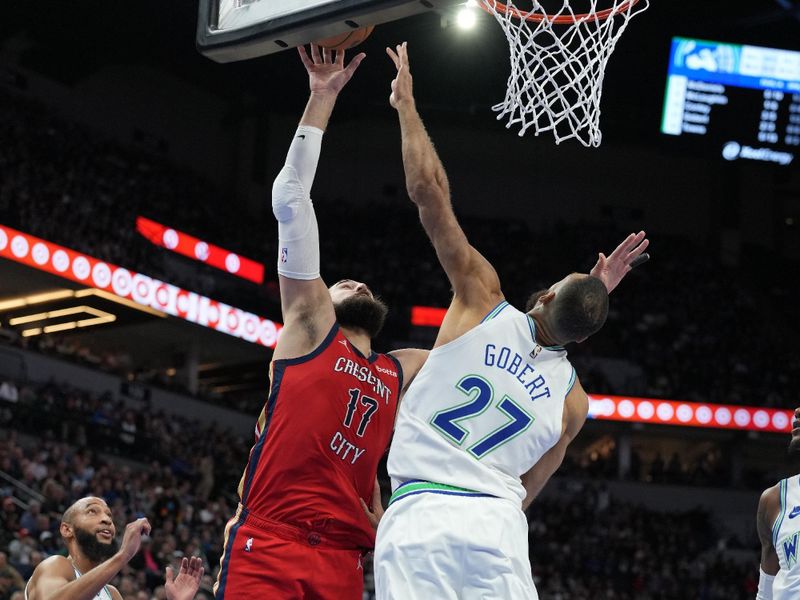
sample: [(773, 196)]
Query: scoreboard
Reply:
[(740, 102)]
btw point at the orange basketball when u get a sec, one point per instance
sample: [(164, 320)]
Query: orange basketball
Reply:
[(343, 41)]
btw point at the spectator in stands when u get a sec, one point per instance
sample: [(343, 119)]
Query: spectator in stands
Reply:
[(10, 579)]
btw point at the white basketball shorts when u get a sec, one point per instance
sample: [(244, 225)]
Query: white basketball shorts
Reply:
[(449, 547)]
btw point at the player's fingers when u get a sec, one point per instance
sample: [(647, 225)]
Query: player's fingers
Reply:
[(196, 566), (351, 68), (146, 527), (304, 57), (640, 248), (170, 575), (622, 248), (315, 54), (376, 494), (339, 58), (637, 251), (393, 55), (637, 238)]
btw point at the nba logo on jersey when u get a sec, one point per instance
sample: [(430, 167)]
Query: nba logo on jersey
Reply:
[(248, 545), (284, 254)]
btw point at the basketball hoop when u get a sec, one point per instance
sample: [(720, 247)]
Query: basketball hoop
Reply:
[(558, 60)]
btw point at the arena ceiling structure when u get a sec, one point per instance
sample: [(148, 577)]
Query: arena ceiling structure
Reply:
[(459, 71), (459, 75)]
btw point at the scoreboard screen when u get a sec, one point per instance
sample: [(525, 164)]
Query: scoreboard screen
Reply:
[(741, 102)]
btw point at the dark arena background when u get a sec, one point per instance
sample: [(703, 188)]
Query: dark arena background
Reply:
[(134, 170)]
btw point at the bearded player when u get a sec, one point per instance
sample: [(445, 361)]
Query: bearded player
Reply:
[(300, 530), (94, 559), (779, 532)]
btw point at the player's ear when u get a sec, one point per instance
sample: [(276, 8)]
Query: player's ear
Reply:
[(547, 297), (66, 531)]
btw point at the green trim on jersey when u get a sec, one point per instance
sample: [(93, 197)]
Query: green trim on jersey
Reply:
[(495, 311), (408, 489)]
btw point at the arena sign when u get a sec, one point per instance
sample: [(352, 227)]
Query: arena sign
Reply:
[(146, 291), (689, 414), (197, 249)]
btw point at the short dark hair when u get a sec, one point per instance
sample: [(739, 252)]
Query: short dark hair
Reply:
[(580, 308)]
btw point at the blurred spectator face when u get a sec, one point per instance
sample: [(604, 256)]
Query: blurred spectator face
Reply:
[(8, 505)]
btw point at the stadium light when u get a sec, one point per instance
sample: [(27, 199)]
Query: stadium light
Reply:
[(466, 18)]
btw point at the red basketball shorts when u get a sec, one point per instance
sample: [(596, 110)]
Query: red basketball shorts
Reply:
[(271, 560)]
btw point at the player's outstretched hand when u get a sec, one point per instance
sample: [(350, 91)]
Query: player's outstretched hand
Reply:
[(326, 73), (186, 584), (402, 88), (132, 539), (629, 254), (374, 512)]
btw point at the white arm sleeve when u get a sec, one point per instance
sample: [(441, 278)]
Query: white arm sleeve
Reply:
[(298, 236), (764, 585)]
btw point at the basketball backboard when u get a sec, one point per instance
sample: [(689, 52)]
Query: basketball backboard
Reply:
[(231, 30)]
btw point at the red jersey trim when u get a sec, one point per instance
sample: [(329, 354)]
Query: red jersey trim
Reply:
[(278, 367), (314, 353), (399, 379)]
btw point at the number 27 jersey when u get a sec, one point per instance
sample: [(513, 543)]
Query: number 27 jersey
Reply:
[(483, 409)]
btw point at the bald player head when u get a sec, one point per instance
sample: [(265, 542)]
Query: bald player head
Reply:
[(88, 528)]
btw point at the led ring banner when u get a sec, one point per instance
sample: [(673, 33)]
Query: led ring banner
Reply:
[(81, 268)]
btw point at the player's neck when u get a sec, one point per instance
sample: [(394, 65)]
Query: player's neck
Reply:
[(80, 562), (544, 337), (359, 339)]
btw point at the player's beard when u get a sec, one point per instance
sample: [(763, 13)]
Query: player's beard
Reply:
[(362, 312), (93, 549)]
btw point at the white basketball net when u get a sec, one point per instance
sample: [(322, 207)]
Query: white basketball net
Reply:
[(557, 69)]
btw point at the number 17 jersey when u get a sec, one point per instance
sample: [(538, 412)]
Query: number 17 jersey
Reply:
[(483, 409), (325, 426)]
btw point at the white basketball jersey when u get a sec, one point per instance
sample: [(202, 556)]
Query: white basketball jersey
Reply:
[(483, 409), (786, 539)]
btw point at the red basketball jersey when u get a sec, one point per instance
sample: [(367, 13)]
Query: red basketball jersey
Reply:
[(325, 426)]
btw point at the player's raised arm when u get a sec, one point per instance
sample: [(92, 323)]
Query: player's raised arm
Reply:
[(474, 280), (306, 304)]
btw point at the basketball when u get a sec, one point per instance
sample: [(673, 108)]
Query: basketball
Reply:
[(343, 41)]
